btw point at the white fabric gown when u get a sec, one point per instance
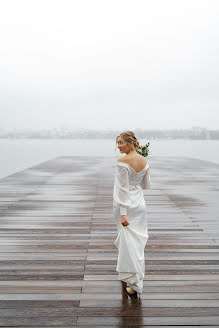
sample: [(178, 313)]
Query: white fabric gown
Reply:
[(128, 199)]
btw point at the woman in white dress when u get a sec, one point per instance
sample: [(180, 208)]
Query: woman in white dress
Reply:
[(129, 209)]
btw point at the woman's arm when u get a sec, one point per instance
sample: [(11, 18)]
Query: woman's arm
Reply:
[(121, 192), (145, 183)]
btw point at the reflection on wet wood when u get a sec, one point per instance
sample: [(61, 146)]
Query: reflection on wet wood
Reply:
[(58, 260)]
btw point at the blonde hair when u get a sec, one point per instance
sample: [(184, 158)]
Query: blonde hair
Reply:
[(129, 137)]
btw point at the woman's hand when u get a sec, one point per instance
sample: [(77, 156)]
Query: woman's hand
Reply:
[(124, 220)]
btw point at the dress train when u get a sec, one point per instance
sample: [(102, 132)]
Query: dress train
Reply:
[(131, 260)]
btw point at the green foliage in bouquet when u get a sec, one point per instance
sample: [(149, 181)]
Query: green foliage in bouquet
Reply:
[(143, 149)]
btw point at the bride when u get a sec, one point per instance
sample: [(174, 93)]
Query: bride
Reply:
[(129, 210)]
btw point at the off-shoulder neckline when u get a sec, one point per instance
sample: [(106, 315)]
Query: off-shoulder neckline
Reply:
[(147, 165)]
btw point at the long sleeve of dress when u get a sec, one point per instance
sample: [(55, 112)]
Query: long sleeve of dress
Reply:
[(121, 190), (145, 183)]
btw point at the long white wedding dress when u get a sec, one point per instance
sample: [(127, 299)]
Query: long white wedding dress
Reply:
[(128, 199)]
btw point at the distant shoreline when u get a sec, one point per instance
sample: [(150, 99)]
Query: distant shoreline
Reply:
[(195, 133)]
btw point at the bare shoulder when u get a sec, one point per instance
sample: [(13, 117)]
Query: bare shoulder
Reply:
[(141, 161), (145, 161), (123, 159)]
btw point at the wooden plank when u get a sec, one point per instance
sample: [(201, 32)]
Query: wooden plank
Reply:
[(57, 257)]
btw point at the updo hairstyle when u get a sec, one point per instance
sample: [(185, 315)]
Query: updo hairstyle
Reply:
[(129, 137)]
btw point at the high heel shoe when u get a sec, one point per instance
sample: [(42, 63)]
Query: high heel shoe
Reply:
[(130, 290)]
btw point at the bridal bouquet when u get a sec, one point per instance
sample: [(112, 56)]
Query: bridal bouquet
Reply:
[(143, 149)]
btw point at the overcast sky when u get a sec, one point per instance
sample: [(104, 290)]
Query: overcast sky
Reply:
[(116, 64)]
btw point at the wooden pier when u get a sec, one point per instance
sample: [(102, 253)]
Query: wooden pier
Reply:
[(58, 260)]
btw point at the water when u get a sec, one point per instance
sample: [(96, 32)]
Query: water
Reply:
[(19, 154)]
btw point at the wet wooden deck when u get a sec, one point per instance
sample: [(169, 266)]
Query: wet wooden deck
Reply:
[(57, 258)]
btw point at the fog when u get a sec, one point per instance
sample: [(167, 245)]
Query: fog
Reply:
[(109, 64)]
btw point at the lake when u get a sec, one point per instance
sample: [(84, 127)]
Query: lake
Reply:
[(19, 154)]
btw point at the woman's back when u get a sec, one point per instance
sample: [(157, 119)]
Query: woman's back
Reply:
[(131, 173), (137, 162), (129, 208)]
